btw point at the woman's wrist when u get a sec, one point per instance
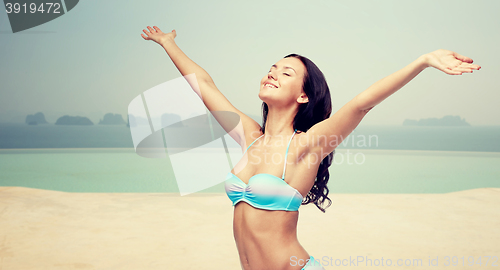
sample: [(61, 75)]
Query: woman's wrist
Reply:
[(423, 61), (167, 42)]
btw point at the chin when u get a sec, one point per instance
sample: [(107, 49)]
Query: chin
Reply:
[(268, 99), (264, 96)]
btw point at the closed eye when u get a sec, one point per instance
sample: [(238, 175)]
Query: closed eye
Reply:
[(283, 73)]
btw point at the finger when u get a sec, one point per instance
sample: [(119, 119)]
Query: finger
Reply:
[(144, 37), (471, 66), (463, 69), (146, 32), (462, 58), (449, 70), (157, 29), (151, 29)]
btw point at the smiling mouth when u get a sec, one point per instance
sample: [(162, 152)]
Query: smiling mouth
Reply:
[(270, 85)]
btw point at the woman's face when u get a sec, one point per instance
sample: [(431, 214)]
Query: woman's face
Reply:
[(283, 83)]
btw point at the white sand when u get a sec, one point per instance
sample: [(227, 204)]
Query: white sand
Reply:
[(41, 229)]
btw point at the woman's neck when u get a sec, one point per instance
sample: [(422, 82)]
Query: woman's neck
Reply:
[(279, 122)]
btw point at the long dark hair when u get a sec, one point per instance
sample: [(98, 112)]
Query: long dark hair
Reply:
[(316, 110)]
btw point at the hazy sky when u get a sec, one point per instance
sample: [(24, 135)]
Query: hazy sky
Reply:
[(93, 60)]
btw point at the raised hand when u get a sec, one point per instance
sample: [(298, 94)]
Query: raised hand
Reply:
[(156, 35), (450, 62)]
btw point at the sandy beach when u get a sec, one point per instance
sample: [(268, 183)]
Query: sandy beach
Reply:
[(43, 229)]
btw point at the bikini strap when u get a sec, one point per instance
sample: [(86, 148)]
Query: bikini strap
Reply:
[(252, 143), (286, 155)]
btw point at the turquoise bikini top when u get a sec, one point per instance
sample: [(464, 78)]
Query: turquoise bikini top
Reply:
[(264, 191)]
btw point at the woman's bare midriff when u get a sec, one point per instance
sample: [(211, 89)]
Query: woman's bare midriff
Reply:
[(267, 239)]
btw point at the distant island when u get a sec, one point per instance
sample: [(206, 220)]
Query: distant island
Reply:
[(73, 120), (448, 120), (112, 119), (37, 118), (134, 121)]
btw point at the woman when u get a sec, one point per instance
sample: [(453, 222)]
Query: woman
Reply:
[(298, 130)]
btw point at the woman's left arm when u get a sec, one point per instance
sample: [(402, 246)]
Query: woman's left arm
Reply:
[(326, 135), (447, 61)]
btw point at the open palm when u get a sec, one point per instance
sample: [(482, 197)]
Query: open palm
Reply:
[(451, 62), (156, 35)]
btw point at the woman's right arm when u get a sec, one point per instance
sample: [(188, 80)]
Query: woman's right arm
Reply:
[(204, 86)]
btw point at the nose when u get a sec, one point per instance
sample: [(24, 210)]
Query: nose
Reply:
[(270, 75)]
